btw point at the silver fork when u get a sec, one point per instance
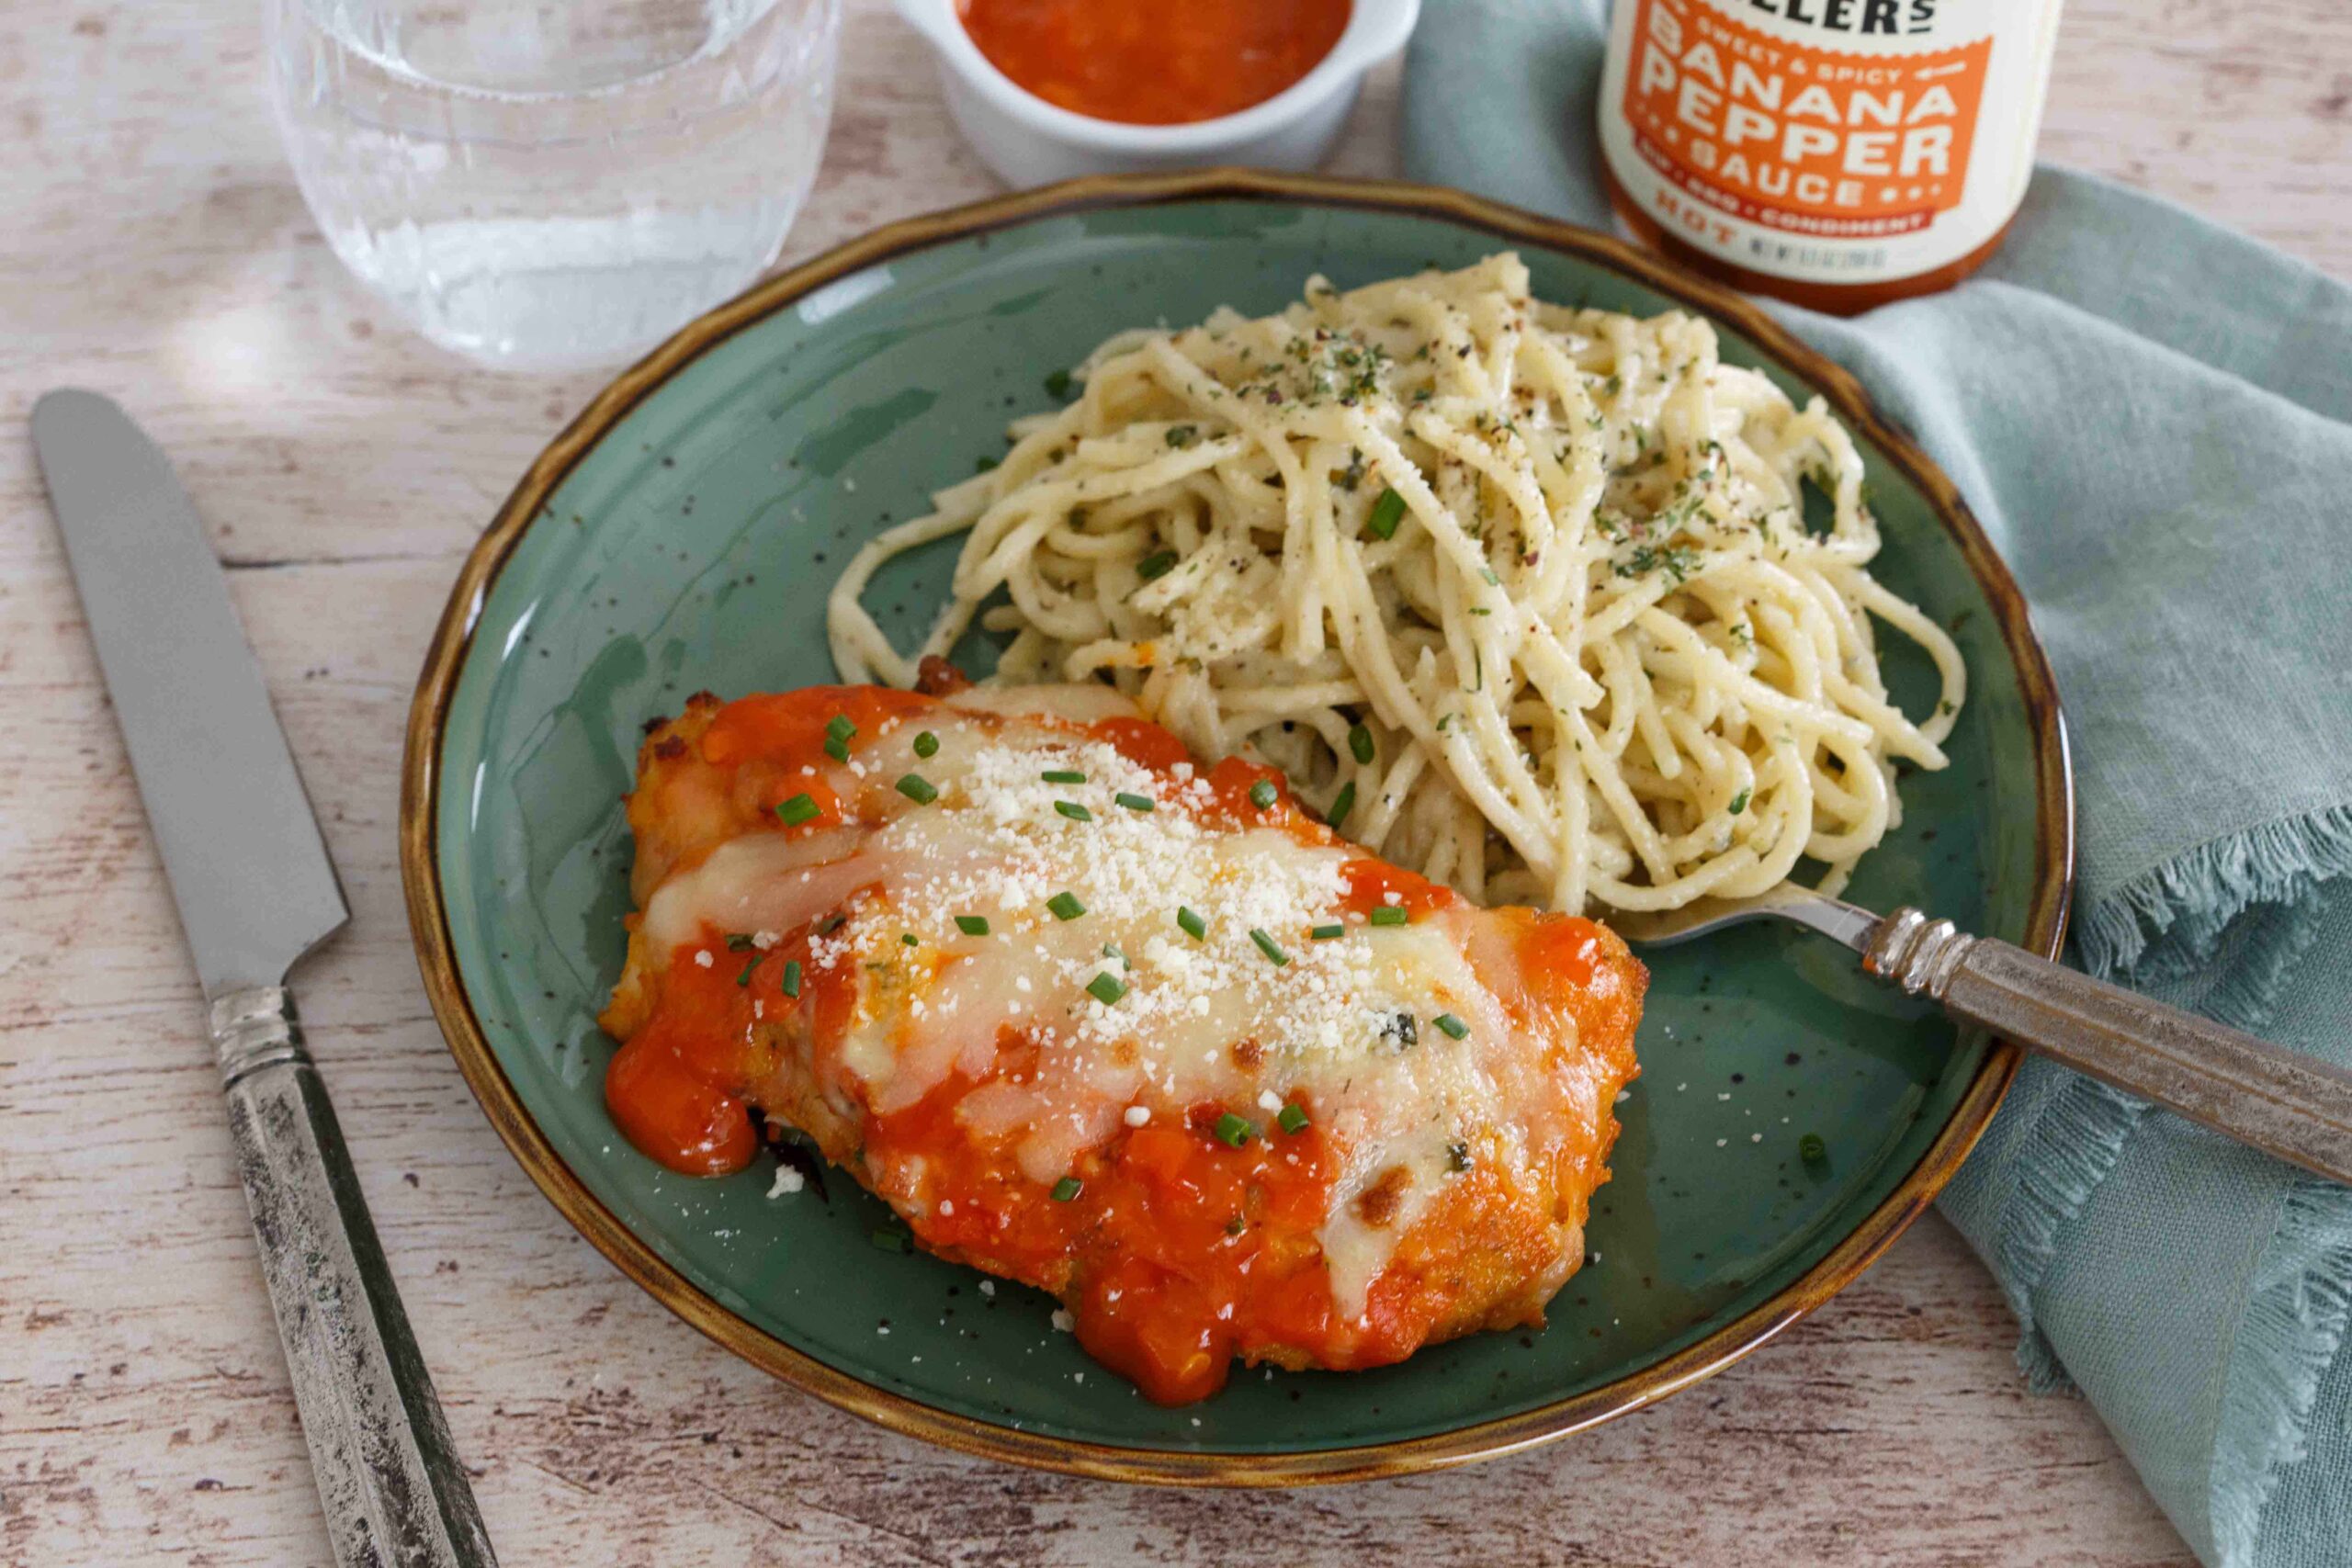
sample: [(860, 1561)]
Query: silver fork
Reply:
[(2279, 1100)]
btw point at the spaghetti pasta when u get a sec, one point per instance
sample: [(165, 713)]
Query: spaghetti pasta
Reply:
[(1520, 595)]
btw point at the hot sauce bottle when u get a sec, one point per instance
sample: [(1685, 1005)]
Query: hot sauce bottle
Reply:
[(1838, 153)]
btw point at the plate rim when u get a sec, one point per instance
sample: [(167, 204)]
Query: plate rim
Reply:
[(452, 643)]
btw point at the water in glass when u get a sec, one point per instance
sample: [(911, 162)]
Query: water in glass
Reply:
[(543, 184)]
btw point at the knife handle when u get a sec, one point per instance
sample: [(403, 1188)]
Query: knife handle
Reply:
[(394, 1492)]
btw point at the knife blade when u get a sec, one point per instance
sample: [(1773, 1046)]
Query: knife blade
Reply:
[(241, 845), (255, 891)]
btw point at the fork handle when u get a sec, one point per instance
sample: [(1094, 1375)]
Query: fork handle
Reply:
[(2280, 1101)]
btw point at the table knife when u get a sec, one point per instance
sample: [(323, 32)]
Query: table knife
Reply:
[(257, 892)]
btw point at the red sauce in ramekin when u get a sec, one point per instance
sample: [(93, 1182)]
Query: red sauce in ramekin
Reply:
[(1169, 62)]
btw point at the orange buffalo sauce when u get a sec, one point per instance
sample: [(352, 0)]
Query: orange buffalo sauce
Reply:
[(1373, 883), (676, 1089), (1165, 64), (1175, 1252)]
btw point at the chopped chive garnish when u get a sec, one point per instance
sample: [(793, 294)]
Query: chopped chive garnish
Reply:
[(1268, 946), (1359, 743), (1106, 988), (1386, 512), (839, 727), (836, 748), (917, 788), (1341, 804), (1389, 914), (1292, 1118), (1073, 810), (926, 744), (792, 977), (908, 938), (1191, 924), (1134, 802), (1488, 574), (1232, 1131), (1057, 384), (1065, 906), (1261, 793), (892, 1240), (1451, 1024), (798, 809), (745, 977), (1811, 1149), (1157, 564), (1327, 933), (1062, 775), (1740, 802), (830, 924), (1110, 950), (972, 925), (1067, 1188), (737, 941)]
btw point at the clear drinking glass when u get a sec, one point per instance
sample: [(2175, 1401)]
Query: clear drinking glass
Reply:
[(543, 184)]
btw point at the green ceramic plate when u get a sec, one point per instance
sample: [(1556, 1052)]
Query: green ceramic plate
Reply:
[(681, 535)]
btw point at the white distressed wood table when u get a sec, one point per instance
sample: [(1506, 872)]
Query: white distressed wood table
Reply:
[(155, 248)]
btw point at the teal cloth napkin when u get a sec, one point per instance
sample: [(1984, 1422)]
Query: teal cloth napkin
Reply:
[(2152, 418)]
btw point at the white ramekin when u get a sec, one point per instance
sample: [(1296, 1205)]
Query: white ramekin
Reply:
[(1029, 141)]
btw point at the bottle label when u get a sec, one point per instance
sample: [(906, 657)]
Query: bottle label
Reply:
[(1830, 141)]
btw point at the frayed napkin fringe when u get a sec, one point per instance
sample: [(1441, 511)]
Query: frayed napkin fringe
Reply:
[(2172, 920), (2186, 903), (2176, 915), (2293, 1331), (2074, 1144)]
